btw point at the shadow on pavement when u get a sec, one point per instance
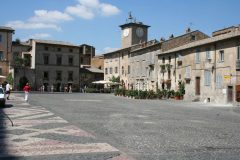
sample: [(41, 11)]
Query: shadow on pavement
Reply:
[(4, 123)]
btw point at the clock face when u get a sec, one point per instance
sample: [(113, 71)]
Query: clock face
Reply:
[(126, 32), (139, 32)]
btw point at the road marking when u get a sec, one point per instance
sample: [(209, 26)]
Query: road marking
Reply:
[(33, 124), (60, 149)]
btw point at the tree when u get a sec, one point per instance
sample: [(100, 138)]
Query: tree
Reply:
[(10, 78), (115, 79)]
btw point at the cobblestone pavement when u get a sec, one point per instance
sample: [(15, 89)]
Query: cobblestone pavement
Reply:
[(37, 132)]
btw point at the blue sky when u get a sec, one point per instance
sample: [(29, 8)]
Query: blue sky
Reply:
[(96, 22)]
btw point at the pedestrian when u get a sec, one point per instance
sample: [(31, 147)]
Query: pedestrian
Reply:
[(70, 89), (52, 88), (8, 90), (26, 90)]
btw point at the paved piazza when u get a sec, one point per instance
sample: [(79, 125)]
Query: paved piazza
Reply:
[(102, 126)]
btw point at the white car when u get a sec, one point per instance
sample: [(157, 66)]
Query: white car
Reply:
[(2, 97)]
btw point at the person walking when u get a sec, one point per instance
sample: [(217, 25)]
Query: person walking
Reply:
[(26, 90), (8, 90)]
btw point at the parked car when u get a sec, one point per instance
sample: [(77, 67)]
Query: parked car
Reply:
[(2, 97)]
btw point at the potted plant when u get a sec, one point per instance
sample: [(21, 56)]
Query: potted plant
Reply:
[(151, 94), (181, 86), (159, 94), (177, 95)]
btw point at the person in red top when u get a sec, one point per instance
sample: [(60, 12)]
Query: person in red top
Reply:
[(26, 89)]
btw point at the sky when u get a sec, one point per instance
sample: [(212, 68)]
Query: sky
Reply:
[(96, 22)]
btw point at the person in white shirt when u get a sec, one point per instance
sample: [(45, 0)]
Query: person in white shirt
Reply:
[(8, 90)]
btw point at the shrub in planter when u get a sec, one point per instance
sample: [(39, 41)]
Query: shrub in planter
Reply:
[(135, 94), (164, 93), (128, 93), (159, 94), (177, 95), (143, 94), (117, 92), (151, 95), (171, 93), (90, 90)]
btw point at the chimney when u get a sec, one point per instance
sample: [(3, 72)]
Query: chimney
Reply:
[(188, 30), (172, 36), (162, 39)]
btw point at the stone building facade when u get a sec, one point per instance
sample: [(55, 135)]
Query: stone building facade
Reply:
[(97, 62), (5, 50), (56, 65), (137, 64), (209, 67)]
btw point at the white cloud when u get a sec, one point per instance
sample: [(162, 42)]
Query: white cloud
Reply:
[(80, 11), (88, 9), (44, 19), (49, 16), (32, 25), (89, 3), (109, 10)]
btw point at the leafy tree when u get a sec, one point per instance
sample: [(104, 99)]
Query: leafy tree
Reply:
[(18, 41), (10, 78), (115, 79)]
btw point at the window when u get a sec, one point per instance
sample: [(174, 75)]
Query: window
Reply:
[(122, 70), (163, 60), (218, 81), (208, 55), (238, 52), (0, 71), (110, 70), (1, 55), (197, 56), (59, 49), (169, 59), (71, 50), (46, 48), (122, 55), (179, 76), (81, 60), (116, 69), (221, 56), (207, 77), (187, 73), (59, 60), (70, 76), (45, 75), (46, 59), (70, 60), (0, 38), (129, 69), (106, 71), (193, 37), (59, 75)]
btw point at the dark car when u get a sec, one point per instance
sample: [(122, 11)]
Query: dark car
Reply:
[(2, 97)]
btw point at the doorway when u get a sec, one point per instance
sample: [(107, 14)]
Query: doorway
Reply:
[(230, 94), (197, 86)]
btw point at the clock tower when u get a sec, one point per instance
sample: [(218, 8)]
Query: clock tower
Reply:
[(133, 32)]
